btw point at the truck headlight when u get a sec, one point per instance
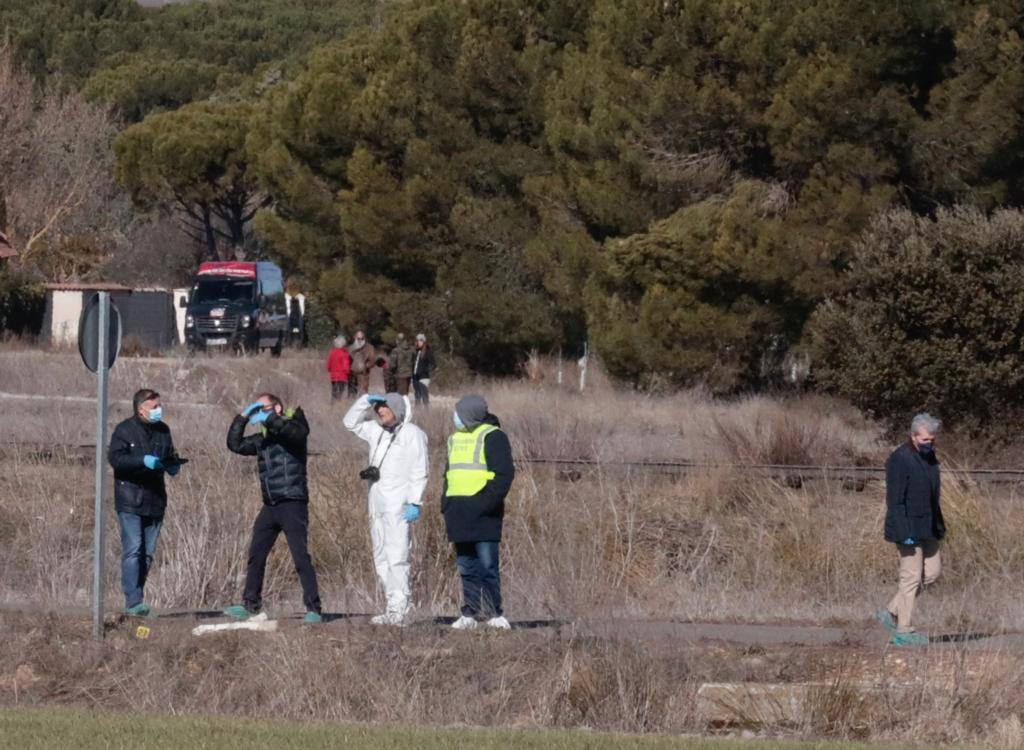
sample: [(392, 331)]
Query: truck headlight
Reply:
[(190, 321), (246, 321)]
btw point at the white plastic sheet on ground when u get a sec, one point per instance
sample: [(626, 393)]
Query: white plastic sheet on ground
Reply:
[(259, 623)]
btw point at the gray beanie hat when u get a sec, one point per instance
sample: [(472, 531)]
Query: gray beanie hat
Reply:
[(472, 410), (396, 402)]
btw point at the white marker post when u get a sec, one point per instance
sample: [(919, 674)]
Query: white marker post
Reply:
[(99, 546)]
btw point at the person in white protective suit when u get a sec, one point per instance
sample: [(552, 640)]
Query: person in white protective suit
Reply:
[(397, 475)]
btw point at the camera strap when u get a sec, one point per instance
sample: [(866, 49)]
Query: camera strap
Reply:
[(377, 447)]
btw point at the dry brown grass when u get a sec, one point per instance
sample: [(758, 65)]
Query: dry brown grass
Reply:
[(526, 679), (712, 544), (612, 543)]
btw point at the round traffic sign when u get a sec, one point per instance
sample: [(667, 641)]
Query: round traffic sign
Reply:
[(89, 334)]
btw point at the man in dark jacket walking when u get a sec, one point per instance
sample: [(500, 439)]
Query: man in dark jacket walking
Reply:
[(477, 480), (913, 522), (141, 452), (280, 448)]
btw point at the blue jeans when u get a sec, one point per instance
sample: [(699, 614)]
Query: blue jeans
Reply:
[(138, 546), (481, 578)]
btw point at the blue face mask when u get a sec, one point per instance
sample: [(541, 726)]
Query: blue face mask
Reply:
[(156, 415), (458, 422), (926, 449)]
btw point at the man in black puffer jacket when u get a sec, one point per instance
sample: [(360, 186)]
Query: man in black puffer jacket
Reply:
[(280, 448), (141, 451), (914, 523)]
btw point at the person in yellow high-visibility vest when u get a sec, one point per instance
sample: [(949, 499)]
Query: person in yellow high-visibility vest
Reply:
[(477, 480)]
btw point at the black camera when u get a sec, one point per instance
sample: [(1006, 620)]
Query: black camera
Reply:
[(372, 473)]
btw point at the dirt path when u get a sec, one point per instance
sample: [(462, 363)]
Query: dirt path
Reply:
[(662, 632)]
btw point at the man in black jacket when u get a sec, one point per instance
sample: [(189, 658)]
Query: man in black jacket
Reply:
[(477, 480), (141, 452), (280, 448), (913, 522)]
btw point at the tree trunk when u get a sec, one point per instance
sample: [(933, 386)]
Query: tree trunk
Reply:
[(236, 226), (210, 234), (3, 209)]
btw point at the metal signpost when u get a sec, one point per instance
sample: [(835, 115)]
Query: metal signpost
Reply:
[(99, 341)]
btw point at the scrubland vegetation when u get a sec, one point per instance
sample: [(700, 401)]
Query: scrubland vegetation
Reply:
[(606, 544)]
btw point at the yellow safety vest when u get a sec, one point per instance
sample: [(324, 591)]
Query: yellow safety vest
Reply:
[(467, 464)]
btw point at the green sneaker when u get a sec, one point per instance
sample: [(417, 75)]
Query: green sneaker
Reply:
[(313, 617), (885, 617), (139, 610), (909, 639), (239, 612)]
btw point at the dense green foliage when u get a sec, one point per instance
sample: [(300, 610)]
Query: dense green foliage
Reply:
[(145, 59), (681, 183), (933, 317), (21, 303), (194, 159)]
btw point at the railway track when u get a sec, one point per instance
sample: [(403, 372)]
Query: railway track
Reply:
[(573, 469)]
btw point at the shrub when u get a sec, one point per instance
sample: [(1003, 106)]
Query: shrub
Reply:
[(21, 303), (932, 318), (703, 297)]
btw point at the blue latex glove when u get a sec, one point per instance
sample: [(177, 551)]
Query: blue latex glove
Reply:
[(173, 469), (376, 399), (412, 512), (909, 540), (153, 463), (259, 417), (247, 411)]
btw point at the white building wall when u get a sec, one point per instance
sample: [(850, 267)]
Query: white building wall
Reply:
[(179, 312), (67, 310)]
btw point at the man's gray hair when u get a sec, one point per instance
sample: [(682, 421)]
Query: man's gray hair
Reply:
[(925, 421)]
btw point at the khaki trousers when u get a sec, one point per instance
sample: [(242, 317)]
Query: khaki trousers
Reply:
[(920, 565)]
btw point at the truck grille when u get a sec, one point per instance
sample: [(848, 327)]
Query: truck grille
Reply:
[(206, 324)]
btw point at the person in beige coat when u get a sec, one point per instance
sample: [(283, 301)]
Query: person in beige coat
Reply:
[(364, 359)]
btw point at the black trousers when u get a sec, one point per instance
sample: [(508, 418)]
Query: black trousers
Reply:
[(422, 391), (293, 519), (338, 389)]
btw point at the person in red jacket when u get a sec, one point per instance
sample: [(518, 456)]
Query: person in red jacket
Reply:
[(339, 365)]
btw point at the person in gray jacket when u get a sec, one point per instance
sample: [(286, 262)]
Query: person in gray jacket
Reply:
[(914, 523)]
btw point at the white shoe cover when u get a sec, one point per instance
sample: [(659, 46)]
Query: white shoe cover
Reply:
[(465, 623), (500, 623), (389, 618)]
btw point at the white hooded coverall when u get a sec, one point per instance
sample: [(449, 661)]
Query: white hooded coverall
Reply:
[(402, 458)]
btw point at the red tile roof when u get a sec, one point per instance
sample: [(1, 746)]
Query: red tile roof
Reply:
[(85, 286)]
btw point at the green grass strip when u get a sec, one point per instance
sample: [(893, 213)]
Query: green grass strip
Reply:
[(30, 728)]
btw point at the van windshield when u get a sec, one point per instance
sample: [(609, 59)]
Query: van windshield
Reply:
[(210, 291)]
